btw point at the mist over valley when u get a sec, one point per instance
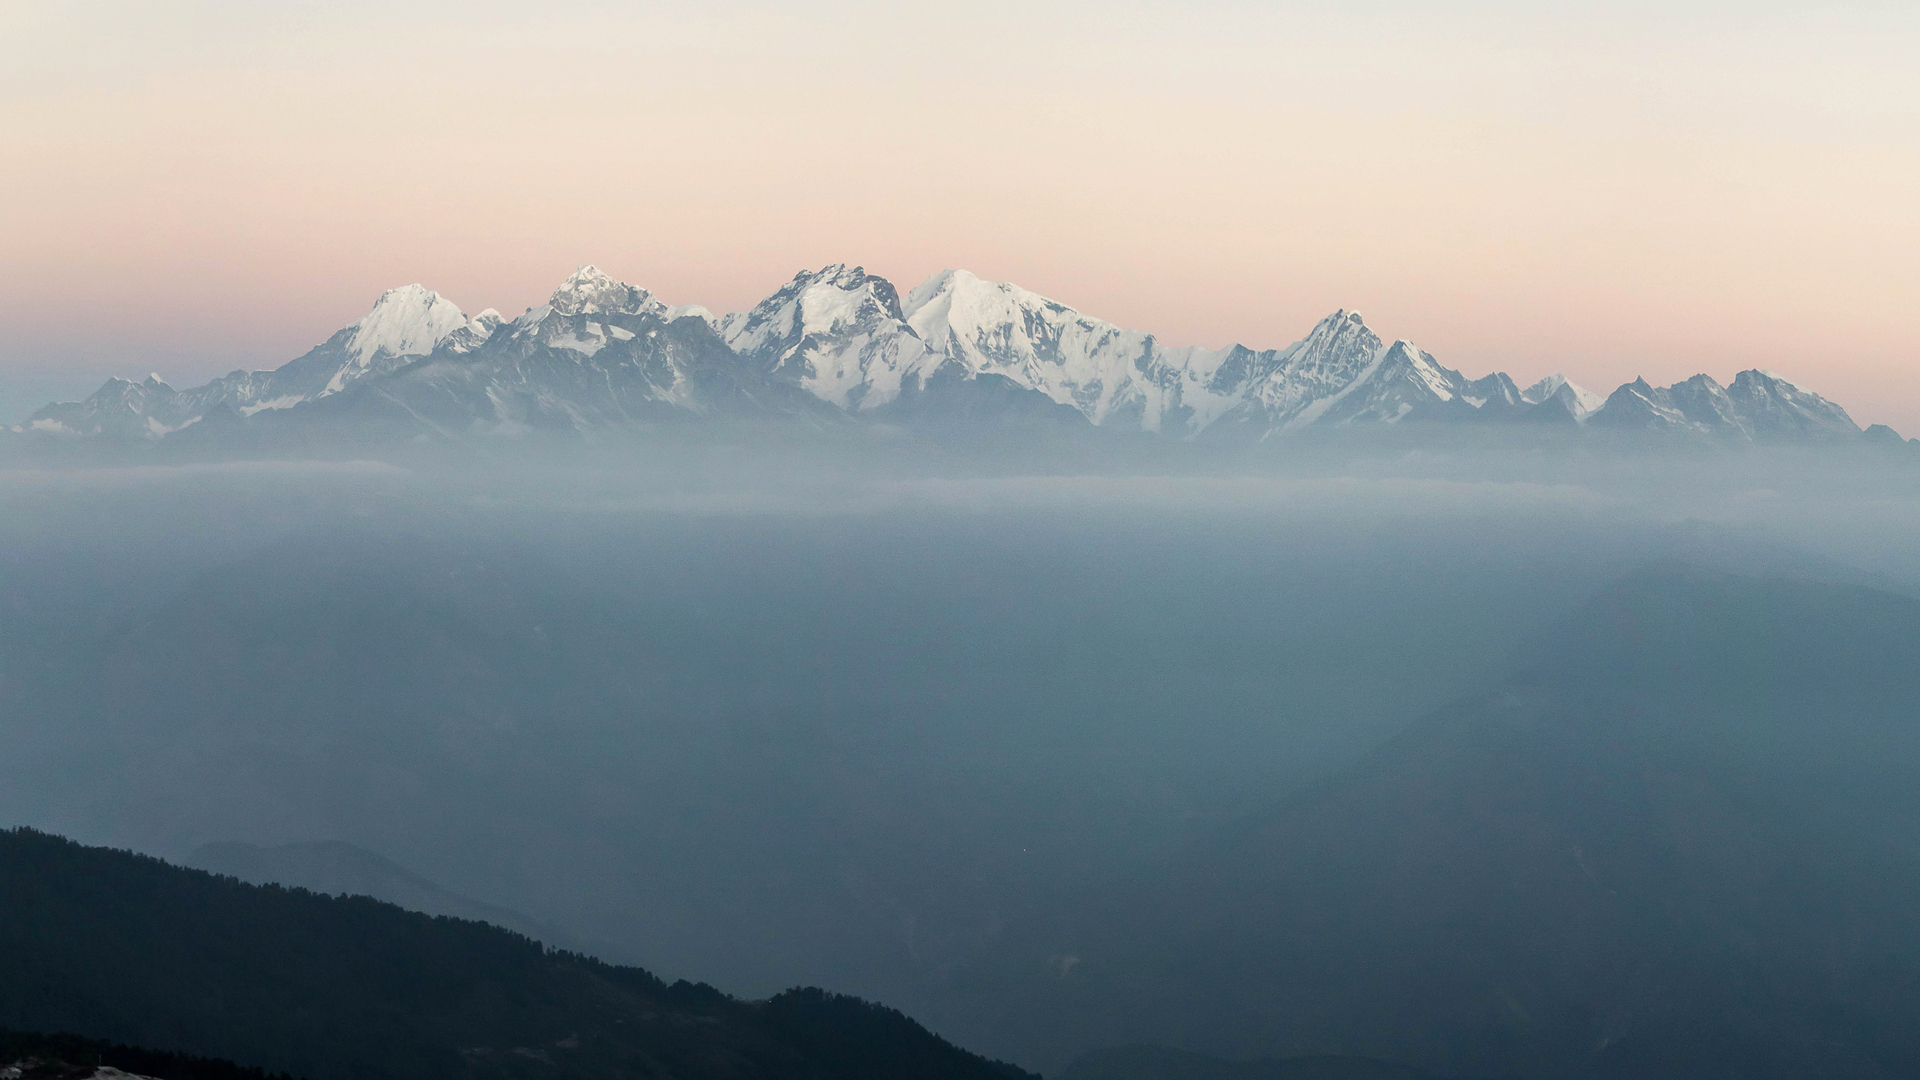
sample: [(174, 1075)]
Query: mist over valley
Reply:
[(1477, 763)]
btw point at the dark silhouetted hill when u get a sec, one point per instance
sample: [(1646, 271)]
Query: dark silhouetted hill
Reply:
[(117, 946), (39, 1056)]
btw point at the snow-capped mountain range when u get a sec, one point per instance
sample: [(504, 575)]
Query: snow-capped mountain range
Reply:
[(841, 346)]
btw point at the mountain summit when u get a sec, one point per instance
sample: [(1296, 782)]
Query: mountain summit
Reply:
[(591, 290), (841, 345)]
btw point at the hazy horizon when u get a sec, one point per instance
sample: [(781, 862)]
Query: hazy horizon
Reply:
[(959, 682), (1640, 192)]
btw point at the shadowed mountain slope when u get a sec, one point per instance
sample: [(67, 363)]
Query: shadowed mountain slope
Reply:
[(1681, 843)]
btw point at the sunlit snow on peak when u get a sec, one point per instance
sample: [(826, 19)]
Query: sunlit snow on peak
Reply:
[(591, 291), (407, 321)]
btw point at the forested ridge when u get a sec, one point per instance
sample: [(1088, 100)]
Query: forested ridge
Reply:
[(59, 1056), (112, 945)]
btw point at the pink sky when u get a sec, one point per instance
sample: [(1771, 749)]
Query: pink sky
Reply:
[(1658, 191)]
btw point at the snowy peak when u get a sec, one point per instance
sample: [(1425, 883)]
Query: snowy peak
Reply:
[(840, 278), (1496, 389), (1338, 349), (1403, 379), (960, 301), (1340, 320), (1698, 405), (839, 340), (1704, 402), (586, 311), (477, 332), (1775, 409), (1758, 407), (121, 408), (833, 300), (1639, 406), (993, 327), (1545, 388), (1112, 376), (838, 332), (939, 285), (1421, 371), (408, 321), (957, 300), (1292, 387), (928, 307), (1578, 401), (591, 291)]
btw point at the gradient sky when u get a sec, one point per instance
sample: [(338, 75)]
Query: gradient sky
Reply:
[(1609, 190)]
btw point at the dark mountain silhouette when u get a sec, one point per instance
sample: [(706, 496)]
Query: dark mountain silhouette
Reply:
[(1682, 843), (39, 1056), (112, 945)]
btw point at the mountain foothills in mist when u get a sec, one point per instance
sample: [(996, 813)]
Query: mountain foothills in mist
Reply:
[(952, 766), (841, 348), (1680, 843)]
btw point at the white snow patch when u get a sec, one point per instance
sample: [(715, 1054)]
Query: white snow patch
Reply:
[(285, 401), (585, 346)]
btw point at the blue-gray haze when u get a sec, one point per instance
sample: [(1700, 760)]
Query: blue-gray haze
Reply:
[(859, 727)]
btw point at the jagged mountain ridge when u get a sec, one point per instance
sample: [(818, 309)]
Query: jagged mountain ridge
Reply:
[(846, 336), (600, 354), (840, 344), (404, 324)]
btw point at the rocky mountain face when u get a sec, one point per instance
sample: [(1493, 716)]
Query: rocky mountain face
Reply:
[(840, 345)]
